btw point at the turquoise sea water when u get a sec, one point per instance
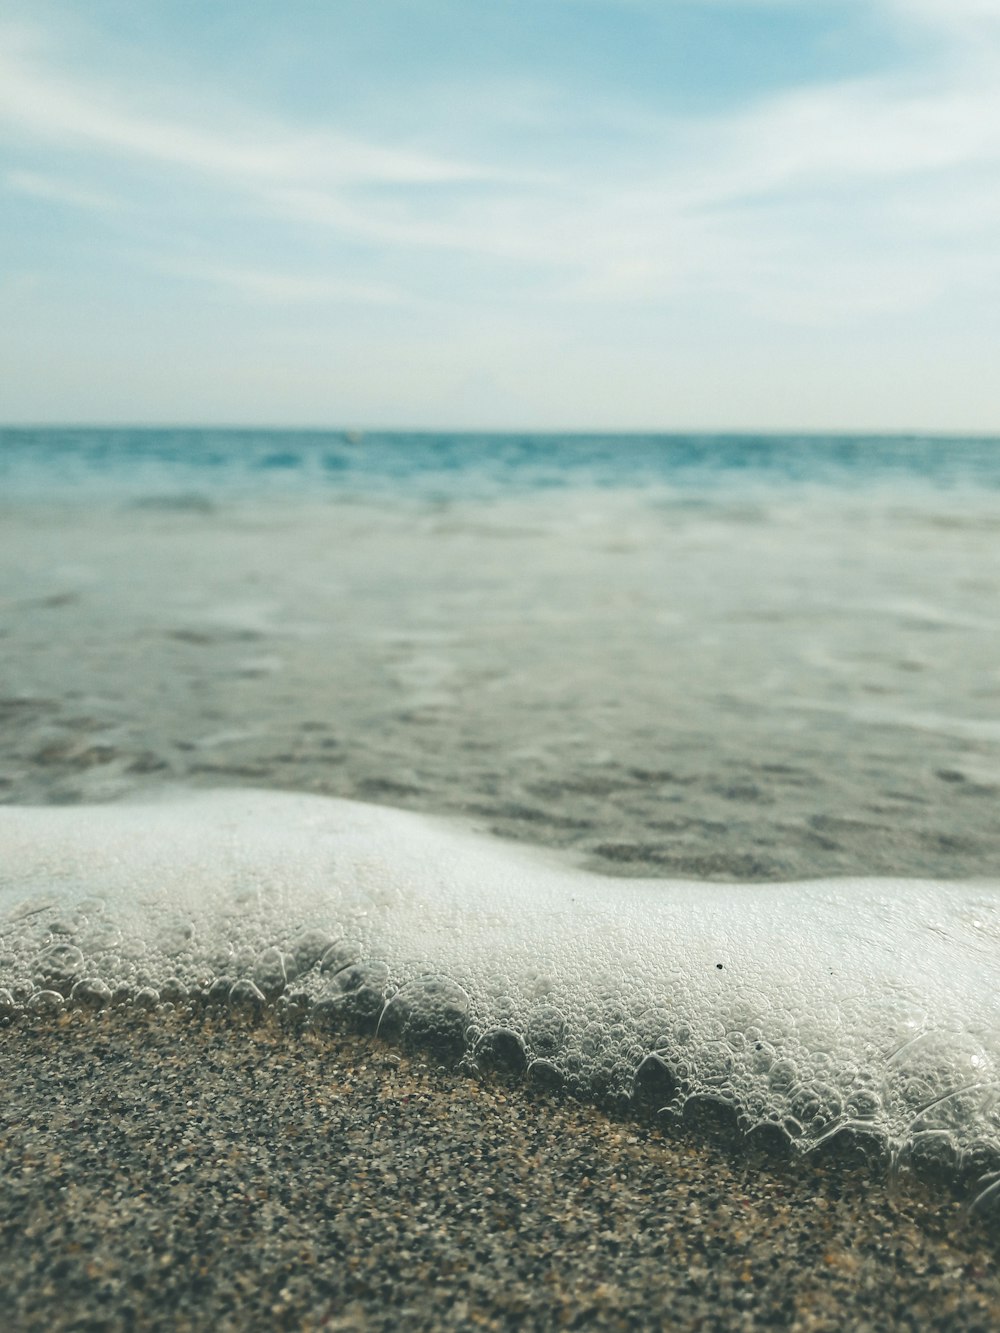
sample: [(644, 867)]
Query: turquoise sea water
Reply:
[(47, 462)]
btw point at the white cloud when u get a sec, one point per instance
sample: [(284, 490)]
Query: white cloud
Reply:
[(63, 111), (51, 189), (831, 203), (957, 16), (855, 132), (276, 287)]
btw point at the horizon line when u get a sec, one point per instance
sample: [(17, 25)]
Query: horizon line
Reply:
[(587, 432)]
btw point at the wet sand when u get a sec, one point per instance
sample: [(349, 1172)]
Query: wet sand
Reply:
[(164, 1173)]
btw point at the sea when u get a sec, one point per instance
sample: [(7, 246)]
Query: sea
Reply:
[(597, 754)]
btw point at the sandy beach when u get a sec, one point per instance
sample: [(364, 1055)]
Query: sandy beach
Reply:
[(694, 755), (160, 1172)]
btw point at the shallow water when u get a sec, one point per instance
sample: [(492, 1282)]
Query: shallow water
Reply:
[(737, 659)]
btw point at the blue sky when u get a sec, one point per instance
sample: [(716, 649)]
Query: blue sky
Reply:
[(597, 214)]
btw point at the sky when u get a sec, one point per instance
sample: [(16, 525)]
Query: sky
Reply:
[(501, 214)]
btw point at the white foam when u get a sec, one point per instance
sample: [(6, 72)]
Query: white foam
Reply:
[(812, 1005)]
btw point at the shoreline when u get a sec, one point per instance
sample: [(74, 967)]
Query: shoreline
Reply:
[(165, 1172)]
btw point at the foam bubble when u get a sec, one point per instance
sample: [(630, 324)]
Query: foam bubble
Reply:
[(810, 1007)]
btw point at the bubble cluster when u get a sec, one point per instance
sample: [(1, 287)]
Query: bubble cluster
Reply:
[(865, 1008)]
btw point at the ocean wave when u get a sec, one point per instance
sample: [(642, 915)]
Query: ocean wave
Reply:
[(805, 1010)]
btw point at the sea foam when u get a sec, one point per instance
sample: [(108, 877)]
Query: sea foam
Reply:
[(811, 1007)]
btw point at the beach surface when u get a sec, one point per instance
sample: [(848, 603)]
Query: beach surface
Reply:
[(566, 751), (163, 1172)]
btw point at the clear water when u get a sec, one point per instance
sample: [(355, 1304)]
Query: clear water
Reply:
[(729, 658)]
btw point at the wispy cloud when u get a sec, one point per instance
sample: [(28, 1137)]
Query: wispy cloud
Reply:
[(282, 288), (67, 112), (537, 198), (54, 190), (709, 201), (961, 18)]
